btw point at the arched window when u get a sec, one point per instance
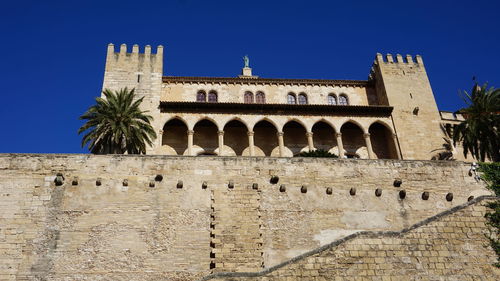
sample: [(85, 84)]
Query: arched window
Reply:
[(332, 99), (260, 97), (248, 97), (212, 96), (343, 100), (201, 96), (302, 99), (291, 99)]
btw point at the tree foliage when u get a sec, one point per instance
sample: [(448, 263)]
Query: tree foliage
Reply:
[(479, 133), (115, 124), (490, 173), (318, 153)]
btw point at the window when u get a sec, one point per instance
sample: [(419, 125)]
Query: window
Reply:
[(248, 97), (332, 99), (291, 99), (212, 96), (201, 96), (343, 100), (302, 99), (260, 97)]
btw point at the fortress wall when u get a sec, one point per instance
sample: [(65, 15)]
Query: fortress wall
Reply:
[(138, 232), (452, 247)]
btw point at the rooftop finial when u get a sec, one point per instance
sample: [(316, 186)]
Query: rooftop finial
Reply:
[(246, 60)]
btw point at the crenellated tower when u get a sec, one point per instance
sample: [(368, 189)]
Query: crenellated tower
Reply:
[(403, 84), (141, 71)]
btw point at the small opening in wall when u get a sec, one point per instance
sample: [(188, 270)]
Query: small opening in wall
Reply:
[(411, 96), (212, 265), (138, 78)]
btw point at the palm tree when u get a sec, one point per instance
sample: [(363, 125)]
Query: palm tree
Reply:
[(115, 124), (479, 133)]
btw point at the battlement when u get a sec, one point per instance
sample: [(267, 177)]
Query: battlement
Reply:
[(408, 59), (136, 59)]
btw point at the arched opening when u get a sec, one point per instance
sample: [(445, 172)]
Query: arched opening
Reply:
[(382, 142), (343, 100), (324, 137), (260, 97), (332, 99), (302, 98), (212, 96), (265, 138), (205, 138), (248, 97), (174, 137), (291, 98), (353, 141), (236, 137), (295, 137), (201, 96)]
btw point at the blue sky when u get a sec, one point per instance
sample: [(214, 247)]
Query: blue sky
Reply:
[(54, 51)]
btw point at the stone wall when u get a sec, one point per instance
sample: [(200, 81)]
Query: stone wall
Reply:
[(450, 246), (180, 218)]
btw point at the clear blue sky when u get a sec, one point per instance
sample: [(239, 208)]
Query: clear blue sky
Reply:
[(53, 52)]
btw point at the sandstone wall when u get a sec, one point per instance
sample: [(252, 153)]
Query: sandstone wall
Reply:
[(234, 92), (207, 214), (449, 247)]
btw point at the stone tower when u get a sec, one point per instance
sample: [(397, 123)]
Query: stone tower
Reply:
[(141, 71), (404, 85)]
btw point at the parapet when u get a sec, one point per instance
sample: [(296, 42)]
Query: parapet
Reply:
[(408, 59), (388, 59), (451, 116), (135, 59)]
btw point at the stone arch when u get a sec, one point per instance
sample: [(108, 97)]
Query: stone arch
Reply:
[(324, 137), (174, 136), (205, 139), (209, 119), (235, 137), (353, 140), (267, 119), (355, 123), (382, 141), (239, 120), (381, 122), (295, 138), (265, 137), (301, 122)]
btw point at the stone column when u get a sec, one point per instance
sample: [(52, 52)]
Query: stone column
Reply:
[(250, 143), (395, 141), (340, 146), (221, 141), (190, 134), (160, 138), (368, 142), (310, 141), (281, 144)]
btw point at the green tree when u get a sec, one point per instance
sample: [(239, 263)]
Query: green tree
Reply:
[(115, 124), (479, 133)]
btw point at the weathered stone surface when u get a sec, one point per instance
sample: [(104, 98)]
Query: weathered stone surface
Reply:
[(134, 232), (448, 247)]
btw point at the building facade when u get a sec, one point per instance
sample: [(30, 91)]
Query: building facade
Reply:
[(391, 115)]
